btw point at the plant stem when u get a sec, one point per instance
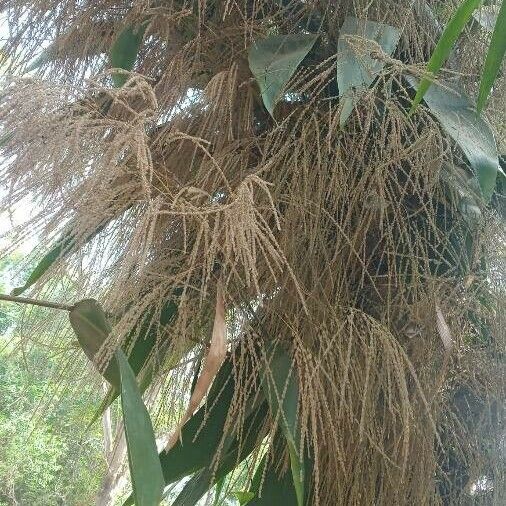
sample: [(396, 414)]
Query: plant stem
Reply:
[(35, 302)]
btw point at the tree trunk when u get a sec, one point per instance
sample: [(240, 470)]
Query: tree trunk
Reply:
[(115, 455)]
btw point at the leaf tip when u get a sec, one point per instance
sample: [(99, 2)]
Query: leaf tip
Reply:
[(18, 291)]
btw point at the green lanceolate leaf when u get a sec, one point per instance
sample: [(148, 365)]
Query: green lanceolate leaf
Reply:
[(202, 433), (445, 45), (357, 72), (145, 471), (153, 364), (92, 328), (61, 248), (274, 60), (277, 488), (146, 358), (5, 138), (235, 451), (281, 387), (219, 488), (494, 58), (124, 51), (474, 137), (244, 497), (465, 191)]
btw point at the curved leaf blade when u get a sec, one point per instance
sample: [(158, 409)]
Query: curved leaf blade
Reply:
[(237, 451), (281, 387), (456, 115), (445, 45), (142, 358), (145, 469), (495, 56), (276, 489), (124, 50), (92, 328), (274, 60), (355, 73), (202, 433), (62, 247)]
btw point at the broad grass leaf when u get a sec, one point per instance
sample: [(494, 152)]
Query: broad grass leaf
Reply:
[(445, 45), (244, 497), (473, 135), (495, 56), (60, 248), (201, 434), (235, 452), (145, 470), (124, 50), (274, 60), (146, 358), (63, 245), (277, 487), (215, 356), (281, 387), (92, 328), (356, 72)]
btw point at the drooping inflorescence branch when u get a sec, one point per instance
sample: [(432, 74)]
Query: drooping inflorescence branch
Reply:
[(269, 145)]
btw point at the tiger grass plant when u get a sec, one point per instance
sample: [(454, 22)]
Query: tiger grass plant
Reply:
[(300, 166)]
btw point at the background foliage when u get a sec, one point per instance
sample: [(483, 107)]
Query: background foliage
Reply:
[(46, 457)]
